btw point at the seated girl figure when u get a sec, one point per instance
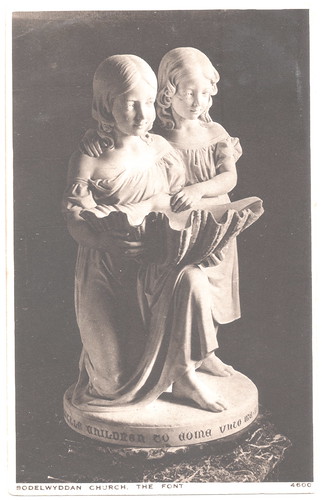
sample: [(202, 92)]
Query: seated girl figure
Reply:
[(180, 305), (187, 80)]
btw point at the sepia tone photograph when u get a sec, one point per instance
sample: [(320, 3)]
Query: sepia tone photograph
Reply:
[(162, 251)]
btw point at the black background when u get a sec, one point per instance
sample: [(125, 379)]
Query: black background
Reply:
[(262, 57)]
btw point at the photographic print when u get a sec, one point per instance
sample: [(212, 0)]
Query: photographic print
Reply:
[(161, 174)]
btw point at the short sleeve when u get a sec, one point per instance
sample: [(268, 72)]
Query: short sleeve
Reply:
[(77, 197), (174, 169), (229, 148)]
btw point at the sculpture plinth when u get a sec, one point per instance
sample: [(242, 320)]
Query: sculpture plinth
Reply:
[(168, 422)]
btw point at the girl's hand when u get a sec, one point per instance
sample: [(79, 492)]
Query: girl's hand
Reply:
[(117, 245), (92, 144), (160, 202), (187, 198)]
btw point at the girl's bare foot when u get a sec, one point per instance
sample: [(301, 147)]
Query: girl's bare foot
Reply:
[(215, 366), (190, 387)]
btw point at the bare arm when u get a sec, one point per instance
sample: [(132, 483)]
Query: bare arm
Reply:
[(81, 232), (222, 183), (80, 169)]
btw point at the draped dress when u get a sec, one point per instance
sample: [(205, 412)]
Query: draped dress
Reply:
[(202, 162), (144, 323)]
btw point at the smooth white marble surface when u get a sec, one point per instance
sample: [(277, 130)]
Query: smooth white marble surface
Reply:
[(169, 422)]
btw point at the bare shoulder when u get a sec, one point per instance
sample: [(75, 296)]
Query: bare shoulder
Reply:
[(160, 144), (81, 165), (215, 129)]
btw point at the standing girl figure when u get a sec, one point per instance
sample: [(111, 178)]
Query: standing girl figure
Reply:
[(132, 176)]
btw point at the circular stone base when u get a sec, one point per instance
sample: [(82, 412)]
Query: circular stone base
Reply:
[(170, 422)]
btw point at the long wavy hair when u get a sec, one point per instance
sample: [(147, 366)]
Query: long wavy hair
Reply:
[(115, 76), (172, 69)]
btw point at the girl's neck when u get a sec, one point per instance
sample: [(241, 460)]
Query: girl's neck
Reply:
[(127, 141), (185, 125), (187, 129)]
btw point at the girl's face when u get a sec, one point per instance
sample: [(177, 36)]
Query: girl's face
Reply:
[(134, 111), (192, 97)]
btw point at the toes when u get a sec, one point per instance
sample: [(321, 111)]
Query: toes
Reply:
[(218, 406), (224, 373), (230, 370)]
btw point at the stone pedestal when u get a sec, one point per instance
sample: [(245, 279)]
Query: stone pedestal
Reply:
[(168, 422), (252, 455)]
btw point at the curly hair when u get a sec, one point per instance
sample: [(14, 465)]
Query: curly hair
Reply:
[(172, 68), (115, 76)]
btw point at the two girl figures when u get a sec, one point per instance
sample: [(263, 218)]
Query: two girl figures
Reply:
[(157, 268)]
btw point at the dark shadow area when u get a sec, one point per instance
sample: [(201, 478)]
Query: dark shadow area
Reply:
[(262, 57)]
